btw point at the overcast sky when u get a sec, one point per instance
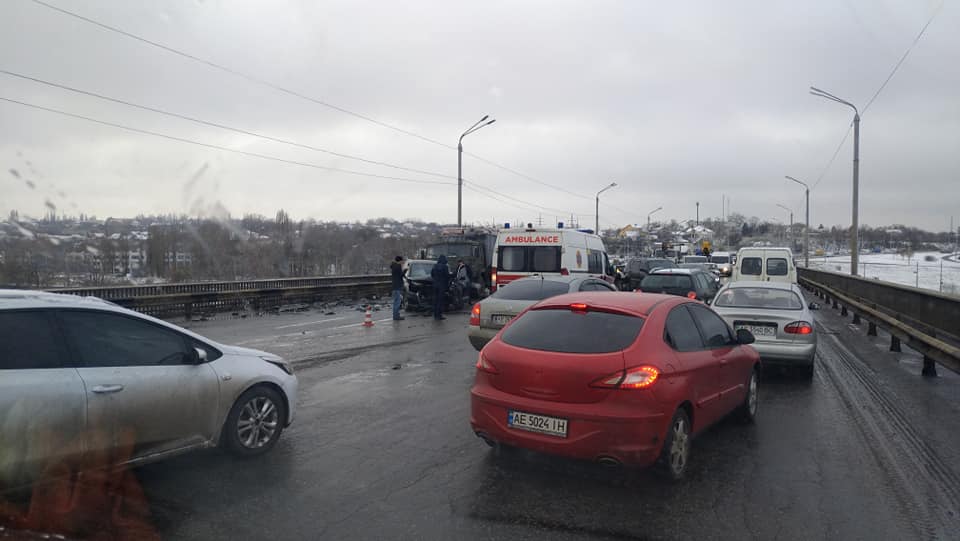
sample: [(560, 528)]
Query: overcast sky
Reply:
[(677, 102)]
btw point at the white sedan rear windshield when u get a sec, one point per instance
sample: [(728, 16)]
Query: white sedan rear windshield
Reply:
[(759, 297)]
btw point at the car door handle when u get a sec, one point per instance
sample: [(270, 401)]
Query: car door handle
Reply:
[(105, 389)]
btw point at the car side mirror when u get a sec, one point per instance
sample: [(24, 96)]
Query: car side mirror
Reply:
[(814, 306), (200, 355), (707, 301), (745, 337)]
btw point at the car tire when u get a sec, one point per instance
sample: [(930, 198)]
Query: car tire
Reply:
[(806, 372), (747, 411), (675, 455), (254, 423)]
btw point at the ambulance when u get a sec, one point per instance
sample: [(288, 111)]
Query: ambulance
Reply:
[(548, 252)]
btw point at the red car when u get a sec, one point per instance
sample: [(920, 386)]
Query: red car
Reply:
[(619, 378)]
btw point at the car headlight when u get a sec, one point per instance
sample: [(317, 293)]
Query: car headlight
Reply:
[(279, 363)]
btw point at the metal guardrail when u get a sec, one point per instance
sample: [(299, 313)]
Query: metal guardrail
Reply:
[(927, 321), (201, 298)]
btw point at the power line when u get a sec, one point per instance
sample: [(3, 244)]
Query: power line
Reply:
[(498, 199), (528, 177), (541, 207), (225, 149), (290, 92), (876, 94), (221, 126), (237, 73), (904, 57), (261, 136), (836, 152)]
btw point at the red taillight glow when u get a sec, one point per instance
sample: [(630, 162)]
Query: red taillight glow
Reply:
[(475, 315), (692, 295), (493, 280), (484, 365), (578, 307), (638, 377), (564, 272), (798, 327)]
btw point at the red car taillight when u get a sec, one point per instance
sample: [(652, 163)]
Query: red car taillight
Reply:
[(691, 294), (493, 280), (475, 315), (484, 365), (638, 377), (798, 327)]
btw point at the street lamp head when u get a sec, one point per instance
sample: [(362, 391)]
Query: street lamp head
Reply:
[(484, 118), (491, 122)]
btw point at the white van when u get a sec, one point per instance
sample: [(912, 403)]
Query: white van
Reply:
[(765, 264), (543, 251)]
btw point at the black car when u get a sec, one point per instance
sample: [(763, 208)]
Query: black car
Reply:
[(694, 283), (638, 269)]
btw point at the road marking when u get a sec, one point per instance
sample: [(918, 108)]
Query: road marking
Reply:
[(305, 323)]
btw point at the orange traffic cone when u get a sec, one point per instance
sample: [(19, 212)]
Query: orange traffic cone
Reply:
[(368, 318)]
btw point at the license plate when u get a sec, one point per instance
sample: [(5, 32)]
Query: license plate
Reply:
[(552, 426), (759, 330), (500, 319)]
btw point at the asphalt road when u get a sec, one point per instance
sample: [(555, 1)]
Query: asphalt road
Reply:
[(382, 449)]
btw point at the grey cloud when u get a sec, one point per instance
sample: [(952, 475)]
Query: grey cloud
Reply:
[(677, 103)]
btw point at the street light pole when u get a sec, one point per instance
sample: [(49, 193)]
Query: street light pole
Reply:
[(479, 124), (806, 229), (698, 213), (612, 185), (855, 227), (791, 223), (651, 213)]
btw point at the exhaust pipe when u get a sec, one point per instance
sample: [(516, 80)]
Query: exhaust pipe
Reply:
[(608, 461), (486, 439)]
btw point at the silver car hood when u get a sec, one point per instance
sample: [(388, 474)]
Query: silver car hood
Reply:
[(247, 352)]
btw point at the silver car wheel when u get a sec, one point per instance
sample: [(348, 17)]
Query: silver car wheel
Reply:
[(258, 422), (753, 399), (679, 448)]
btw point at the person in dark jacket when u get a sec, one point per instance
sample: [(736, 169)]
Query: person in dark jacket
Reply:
[(396, 280), (441, 281)]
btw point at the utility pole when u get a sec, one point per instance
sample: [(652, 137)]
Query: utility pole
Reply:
[(698, 213)]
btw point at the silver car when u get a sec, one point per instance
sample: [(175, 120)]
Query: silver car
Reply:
[(82, 379), (493, 313), (777, 316)]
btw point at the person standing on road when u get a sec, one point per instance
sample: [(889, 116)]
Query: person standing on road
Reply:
[(396, 279), (441, 282)]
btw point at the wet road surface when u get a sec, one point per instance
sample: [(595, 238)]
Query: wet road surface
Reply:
[(382, 449)]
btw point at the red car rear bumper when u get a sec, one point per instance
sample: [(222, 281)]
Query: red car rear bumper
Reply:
[(609, 429)]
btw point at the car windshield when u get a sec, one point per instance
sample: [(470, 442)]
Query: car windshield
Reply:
[(531, 290), (667, 282), (720, 259), (695, 259), (419, 270), (758, 297), (567, 331)]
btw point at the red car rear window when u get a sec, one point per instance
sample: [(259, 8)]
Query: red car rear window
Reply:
[(566, 331)]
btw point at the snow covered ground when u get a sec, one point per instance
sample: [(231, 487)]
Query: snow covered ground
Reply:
[(915, 271)]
